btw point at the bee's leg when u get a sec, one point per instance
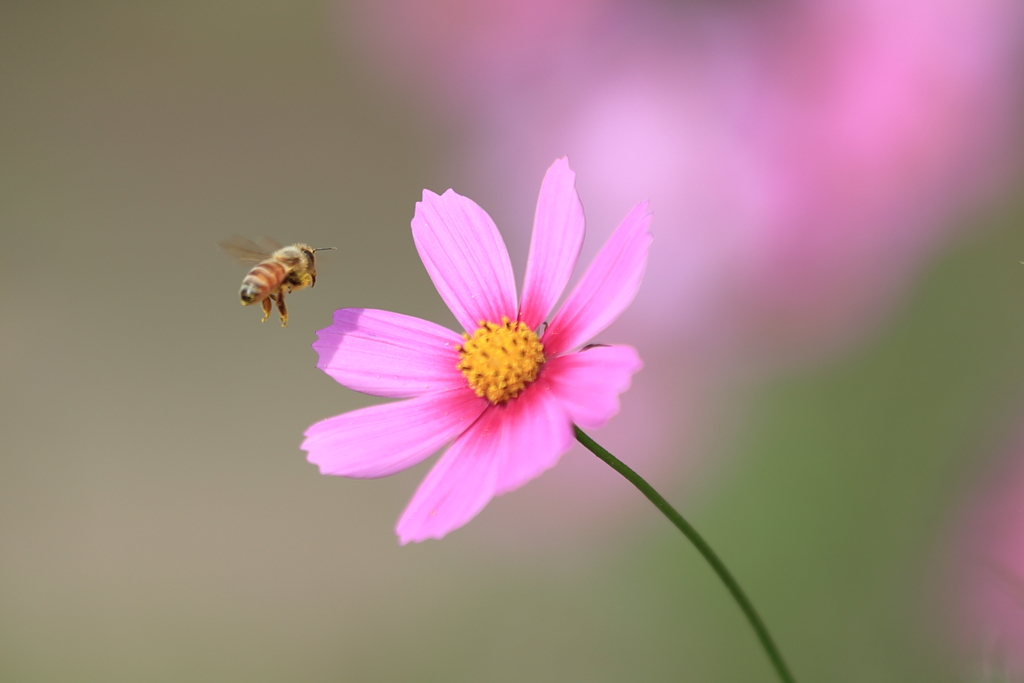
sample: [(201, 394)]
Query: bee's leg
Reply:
[(282, 309), (267, 305)]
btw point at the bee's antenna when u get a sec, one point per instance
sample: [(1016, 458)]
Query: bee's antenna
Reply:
[(326, 249)]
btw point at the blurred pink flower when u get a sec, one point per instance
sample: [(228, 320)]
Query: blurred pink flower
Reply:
[(805, 156), (507, 392), (987, 581)]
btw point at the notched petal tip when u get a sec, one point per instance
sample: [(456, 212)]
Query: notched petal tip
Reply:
[(463, 252), (429, 196), (558, 229)]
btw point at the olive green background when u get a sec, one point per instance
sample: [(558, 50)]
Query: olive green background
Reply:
[(158, 522)]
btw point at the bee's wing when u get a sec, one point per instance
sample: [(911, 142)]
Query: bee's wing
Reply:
[(244, 250), (266, 243)]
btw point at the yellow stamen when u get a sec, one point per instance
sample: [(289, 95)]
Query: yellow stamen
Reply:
[(499, 361)]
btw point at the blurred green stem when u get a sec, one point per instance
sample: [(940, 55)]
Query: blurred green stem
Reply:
[(702, 547)]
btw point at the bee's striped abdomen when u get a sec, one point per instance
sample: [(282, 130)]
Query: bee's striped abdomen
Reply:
[(262, 281)]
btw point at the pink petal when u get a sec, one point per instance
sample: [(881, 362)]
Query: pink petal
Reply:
[(459, 486), (537, 431), (588, 383), (558, 228), (384, 439), (465, 257), (389, 354), (607, 287), (507, 447)]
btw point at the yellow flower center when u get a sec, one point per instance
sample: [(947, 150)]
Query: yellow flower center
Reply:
[(499, 361)]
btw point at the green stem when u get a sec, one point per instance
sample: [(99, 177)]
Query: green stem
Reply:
[(702, 547)]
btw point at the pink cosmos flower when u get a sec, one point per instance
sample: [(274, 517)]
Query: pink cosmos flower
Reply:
[(506, 393)]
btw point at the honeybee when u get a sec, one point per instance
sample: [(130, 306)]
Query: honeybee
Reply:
[(278, 270)]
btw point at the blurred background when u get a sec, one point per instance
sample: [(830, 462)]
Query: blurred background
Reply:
[(832, 324)]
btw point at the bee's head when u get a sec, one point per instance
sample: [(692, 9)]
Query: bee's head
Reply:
[(308, 252)]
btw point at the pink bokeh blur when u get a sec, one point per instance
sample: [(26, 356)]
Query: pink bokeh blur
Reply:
[(986, 577), (802, 157), (803, 160)]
